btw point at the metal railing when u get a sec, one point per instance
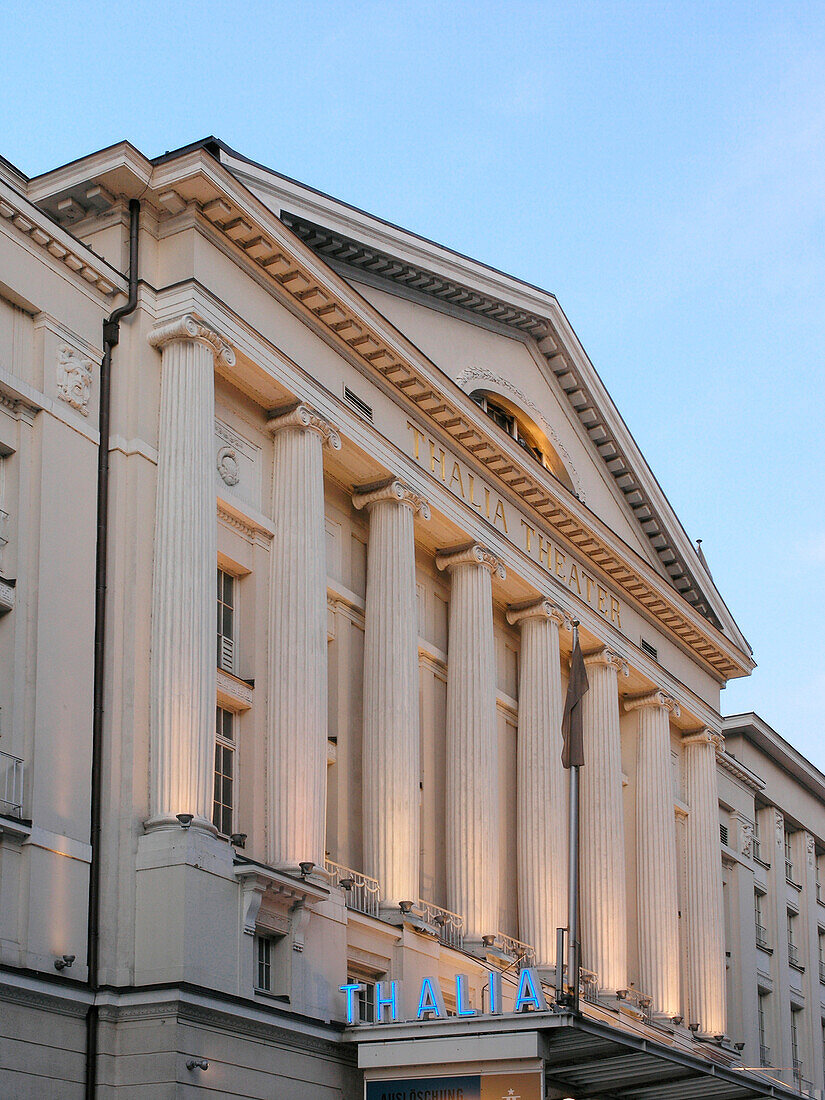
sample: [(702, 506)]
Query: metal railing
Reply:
[(4, 522), (797, 1073), (793, 954), (11, 785), (822, 970), (362, 892), (819, 897), (761, 936), (450, 925), (588, 986), (523, 953), (789, 871), (638, 1000), (764, 1055), (756, 848)]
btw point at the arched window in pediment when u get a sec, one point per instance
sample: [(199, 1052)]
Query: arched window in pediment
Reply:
[(517, 424)]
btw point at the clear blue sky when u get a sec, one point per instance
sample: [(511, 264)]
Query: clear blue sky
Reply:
[(659, 166)]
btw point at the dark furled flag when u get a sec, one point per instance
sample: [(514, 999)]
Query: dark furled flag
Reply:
[(571, 724)]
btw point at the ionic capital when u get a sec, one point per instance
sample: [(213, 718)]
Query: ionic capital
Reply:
[(607, 658), (473, 554), (189, 327), (538, 609), (304, 418), (656, 698), (705, 737), (394, 490)]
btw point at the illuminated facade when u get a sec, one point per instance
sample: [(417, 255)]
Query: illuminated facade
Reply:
[(410, 481)]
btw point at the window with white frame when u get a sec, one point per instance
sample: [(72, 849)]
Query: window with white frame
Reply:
[(271, 973), (789, 874), (223, 802), (764, 1049), (761, 931), (263, 969), (227, 593)]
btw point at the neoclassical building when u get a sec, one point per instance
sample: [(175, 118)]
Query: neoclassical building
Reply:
[(322, 850)]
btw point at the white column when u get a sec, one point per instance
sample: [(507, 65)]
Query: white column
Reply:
[(472, 742), (183, 660), (705, 916), (541, 794), (297, 742), (602, 889), (656, 880), (390, 753)]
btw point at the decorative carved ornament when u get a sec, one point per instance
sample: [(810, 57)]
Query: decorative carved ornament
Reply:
[(393, 490), (656, 698), (704, 737), (74, 378), (747, 838), (189, 327), (474, 554), (472, 373), (305, 418), (608, 658), (228, 466), (538, 609)]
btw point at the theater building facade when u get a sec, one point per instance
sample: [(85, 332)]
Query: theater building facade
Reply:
[(322, 851)]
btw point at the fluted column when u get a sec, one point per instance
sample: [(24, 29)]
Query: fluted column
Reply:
[(390, 754), (297, 741), (472, 742), (705, 915), (182, 714), (602, 892), (541, 794), (656, 879)]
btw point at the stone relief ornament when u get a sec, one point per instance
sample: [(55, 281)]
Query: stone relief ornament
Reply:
[(228, 465), (74, 379), (472, 373), (747, 839)]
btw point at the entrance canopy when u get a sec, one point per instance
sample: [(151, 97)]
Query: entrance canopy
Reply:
[(579, 1056)]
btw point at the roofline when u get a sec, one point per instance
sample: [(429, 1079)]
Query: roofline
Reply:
[(764, 737)]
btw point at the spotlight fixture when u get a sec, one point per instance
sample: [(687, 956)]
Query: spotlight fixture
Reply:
[(405, 906), (693, 1027), (197, 1063), (238, 839), (307, 867), (346, 883), (64, 962), (739, 1046), (645, 1002), (185, 820), (718, 1038), (677, 1019), (622, 994), (488, 941), (439, 920)]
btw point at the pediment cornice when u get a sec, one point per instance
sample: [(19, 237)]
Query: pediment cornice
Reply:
[(307, 285)]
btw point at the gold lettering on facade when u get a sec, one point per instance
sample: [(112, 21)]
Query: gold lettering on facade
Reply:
[(557, 563)]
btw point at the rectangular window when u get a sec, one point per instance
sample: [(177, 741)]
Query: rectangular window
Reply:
[(793, 951), (797, 1061), (764, 1049), (263, 977), (788, 858), (223, 802), (226, 621), (761, 931)]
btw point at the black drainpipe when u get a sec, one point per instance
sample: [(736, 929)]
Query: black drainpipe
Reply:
[(111, 336)]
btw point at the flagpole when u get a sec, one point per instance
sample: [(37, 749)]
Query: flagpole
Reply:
[(573, 877)]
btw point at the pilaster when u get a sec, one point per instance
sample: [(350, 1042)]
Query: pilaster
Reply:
[(472, 744), (656, 878), (603, 898), (390, 752), (541, 795), (297, 724)]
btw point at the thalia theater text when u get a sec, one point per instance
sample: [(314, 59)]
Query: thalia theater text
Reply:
[(529, 995)]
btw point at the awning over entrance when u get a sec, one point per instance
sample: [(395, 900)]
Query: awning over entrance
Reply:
[(581, 1058)]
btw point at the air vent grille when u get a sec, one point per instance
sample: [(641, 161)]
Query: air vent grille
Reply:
[(650, 650), (358, 403)]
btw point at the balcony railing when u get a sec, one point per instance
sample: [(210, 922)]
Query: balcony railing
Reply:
[(789, 871), (638, 1000), (450, 925), (761, 936), (793, 954), (822, 970), (797, 1073), (523, 953), (11, 785), (588, 986), (362, 892), (764, 1055)]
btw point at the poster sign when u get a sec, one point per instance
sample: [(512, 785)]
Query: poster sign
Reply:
[(486, 1086)]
